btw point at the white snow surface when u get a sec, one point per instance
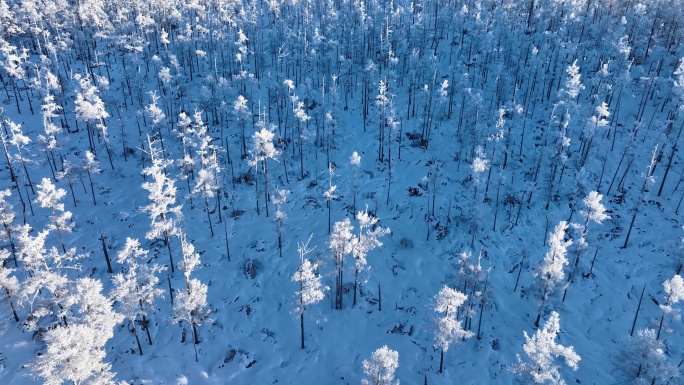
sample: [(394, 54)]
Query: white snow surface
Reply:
[(253, 336)]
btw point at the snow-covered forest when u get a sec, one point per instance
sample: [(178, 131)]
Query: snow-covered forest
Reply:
[(341, 192)]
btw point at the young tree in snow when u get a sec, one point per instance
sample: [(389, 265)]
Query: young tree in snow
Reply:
[(542, 350), (262, 150), (310, 289), (355, 162), (157, 116), (50, 197), (329, 194), (381, 367), (340, 245), (648, 179), (91, 109), (206, 184), (91, 166), (595, 212), (674, 291), (472, 281), (242, 113), (364, 242), (19, 140), (449, 329), (190, 305), (136, 289), (643, 360), (163, 213), (7, 216), (550, 275), (280, 216), (8, 284)]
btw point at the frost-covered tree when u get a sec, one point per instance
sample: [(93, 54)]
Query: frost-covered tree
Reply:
[(279, 200), (329, 194), (76, 352), (19, 140), (190, 305), (643, 360), (90, 108), (7, 216), (46, 289), (8, 284), (471, 281), (542, 351), (449, 329), (136, 289), (366, 240), (163, 213), (311, 291), (355, 162), (594, 212), (262, 150), (242, 113), (50, 197), (550, 276), (674, 292), (157, 116), (206, 184), (381, 367), (340, 245), (91, 166)]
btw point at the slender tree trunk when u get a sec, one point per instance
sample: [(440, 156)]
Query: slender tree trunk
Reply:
[(106, 254), (441, 360), (636, 314), (301, 319), (146, 326), (137, 339)]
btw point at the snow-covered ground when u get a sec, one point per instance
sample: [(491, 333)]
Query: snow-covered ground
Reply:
[(438, 206)]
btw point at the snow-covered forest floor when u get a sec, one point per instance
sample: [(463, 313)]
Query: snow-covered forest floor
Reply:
[(480, 126)]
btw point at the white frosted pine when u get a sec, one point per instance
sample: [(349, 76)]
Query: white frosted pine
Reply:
[(136, 289), (311, 291), (190, 305), (674, 293), (153, 111), (88, 106), (50, 197), (191, 258), (329, 194), (340, 240), (595, 210), (448, 300), (550, 272), (9, 284), (573, 84), (542, 351), (279, 199), (643, 360), (263, 147), (90, 164), (7, 216), (379, 370), (449, 330), (73, 355), (76, 352), (480, 163), (162, 193), (367, 238)]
